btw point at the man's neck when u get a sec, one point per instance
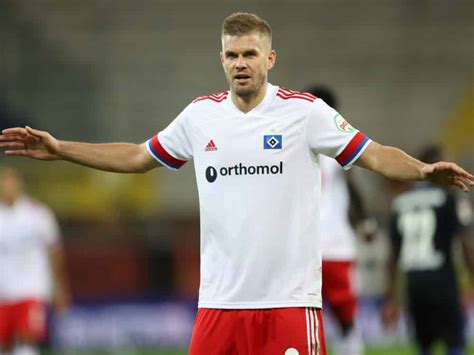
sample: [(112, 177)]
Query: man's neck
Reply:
[(246, 104)]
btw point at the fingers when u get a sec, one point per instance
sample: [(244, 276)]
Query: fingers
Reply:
[(15, 130), (452, 174), (463, 183), (17, 134), (19, 152), (461, 172), (467, 181), (20, 133), (35, 132), (12, 138), (12, 144), (463, 180), (459, 183), (30, 154), (454, 168)]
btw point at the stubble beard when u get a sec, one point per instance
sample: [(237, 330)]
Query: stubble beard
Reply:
[(248, 93)]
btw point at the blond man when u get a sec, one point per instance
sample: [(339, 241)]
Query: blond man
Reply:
[(255, 149)]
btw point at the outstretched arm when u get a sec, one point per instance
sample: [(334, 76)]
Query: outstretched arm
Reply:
[(114, 157), (396, 164)]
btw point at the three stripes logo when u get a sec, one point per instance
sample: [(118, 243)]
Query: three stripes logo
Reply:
[(210, 147)]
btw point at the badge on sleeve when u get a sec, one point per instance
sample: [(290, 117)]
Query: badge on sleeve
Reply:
[(342, 124)]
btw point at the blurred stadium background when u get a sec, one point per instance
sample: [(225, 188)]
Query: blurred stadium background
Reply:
[(122, 70)]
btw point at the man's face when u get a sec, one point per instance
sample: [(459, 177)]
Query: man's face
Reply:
[(246, 61)]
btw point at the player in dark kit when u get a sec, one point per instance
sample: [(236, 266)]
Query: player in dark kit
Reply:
[(426, 221)]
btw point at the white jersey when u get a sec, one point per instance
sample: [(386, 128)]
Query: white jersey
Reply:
[(259, 184), (27, 230), (338, 241)]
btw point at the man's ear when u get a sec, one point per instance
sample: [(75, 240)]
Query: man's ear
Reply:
[(271, 59), (221, 56)]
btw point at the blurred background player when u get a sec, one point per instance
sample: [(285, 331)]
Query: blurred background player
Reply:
[(425, 223), (343, 210), (31, 267)]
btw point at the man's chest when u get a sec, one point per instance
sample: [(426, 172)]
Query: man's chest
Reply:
[(256, 138)]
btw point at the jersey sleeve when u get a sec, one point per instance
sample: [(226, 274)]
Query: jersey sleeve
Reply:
[(328, 133), (172, 147)]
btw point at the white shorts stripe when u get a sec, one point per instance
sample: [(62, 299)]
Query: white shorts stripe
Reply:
[(313, 323), (313, 332), (316, 330), (308, 330)]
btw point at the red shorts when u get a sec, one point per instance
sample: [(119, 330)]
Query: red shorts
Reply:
[(276, 331), (338, 290), (26, 318)]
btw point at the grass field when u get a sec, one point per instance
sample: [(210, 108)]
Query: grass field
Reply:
[(392, 350)]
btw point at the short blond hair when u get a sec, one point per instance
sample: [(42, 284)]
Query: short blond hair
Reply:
[(243, 23)]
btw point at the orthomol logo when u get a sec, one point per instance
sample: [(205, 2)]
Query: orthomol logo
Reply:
[(239, 169)]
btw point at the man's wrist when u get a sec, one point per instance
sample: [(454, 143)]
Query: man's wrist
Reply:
[(423, 172), (62, 151)]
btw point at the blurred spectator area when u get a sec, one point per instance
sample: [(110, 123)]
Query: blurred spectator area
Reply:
[(121, 240), (40, 82), (137, 258)]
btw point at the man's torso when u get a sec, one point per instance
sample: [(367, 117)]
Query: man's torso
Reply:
[(259, 183)]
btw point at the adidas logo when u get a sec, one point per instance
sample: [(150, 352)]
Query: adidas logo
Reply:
[(210, 146)]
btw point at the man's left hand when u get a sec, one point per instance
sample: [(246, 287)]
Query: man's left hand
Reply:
[(443, 173)]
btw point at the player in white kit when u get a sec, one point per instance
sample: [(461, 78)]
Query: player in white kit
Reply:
[(255, 150), (343, 211), (32, 272)]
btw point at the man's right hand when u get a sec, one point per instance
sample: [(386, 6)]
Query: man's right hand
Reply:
[(29, 142)]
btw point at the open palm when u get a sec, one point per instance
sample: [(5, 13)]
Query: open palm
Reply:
[(30, 143)]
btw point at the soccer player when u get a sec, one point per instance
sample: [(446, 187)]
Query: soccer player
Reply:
[(31, 262), (255, 150), (342, 210), (426, 221)]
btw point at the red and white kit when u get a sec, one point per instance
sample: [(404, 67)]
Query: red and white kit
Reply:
[(27, 230), (338, 242), (259, 192)]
